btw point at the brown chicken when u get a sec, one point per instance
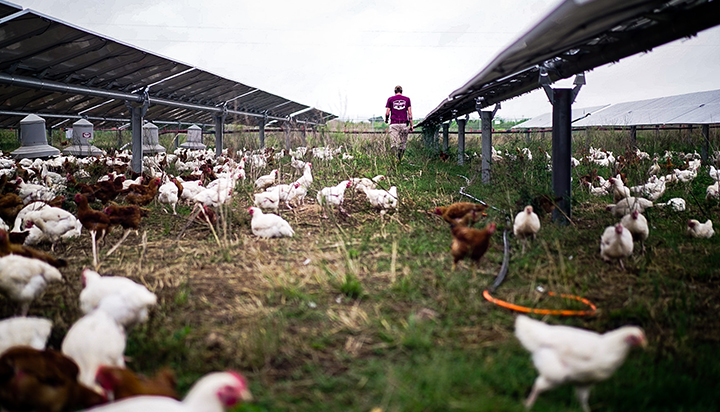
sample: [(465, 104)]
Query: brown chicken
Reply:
[(120, 383), (43, 381), (128, 217), (7, 248), (10, 206), (94, 221), (108, 190), (454, 213), (142, 195), (83, 188), (470, 242)]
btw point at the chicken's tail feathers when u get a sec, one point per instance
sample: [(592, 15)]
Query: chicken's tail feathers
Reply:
[(526, 330)]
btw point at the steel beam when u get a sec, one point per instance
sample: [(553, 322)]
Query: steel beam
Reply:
[(219, 125), (561, 152), (486, 118), (446, 136), (461, 140), (705, 148)]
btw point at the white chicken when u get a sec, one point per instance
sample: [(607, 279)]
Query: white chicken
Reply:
[(191, 189), (334, 195), (297, 164), (136, 298), (24, 279), (168, 194), (638, 227), (685, 176), (214, 392), (19, 223), (267, 180), (296, 196), (655, 168), (616, 242), (620, 191), (627, 205), (677, 204), (527, 224), (269, 200), (25, 331), (97, 339), (29, 192), (713, 191), (603, 188), (307, 178), (700, 230), (55, 223), (268, 225), (364, 181), (563, 354), (381, 198), (714, 173)]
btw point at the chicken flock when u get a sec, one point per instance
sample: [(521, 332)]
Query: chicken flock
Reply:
[(89, 370)]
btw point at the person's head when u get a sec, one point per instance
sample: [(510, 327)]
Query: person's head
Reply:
[(398, 89)]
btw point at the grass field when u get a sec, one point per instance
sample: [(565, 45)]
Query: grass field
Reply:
[(362, 312)]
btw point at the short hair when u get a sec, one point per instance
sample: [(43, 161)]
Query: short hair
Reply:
[(398, 89)]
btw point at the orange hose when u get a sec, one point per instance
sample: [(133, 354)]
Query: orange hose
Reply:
[(559, 312)]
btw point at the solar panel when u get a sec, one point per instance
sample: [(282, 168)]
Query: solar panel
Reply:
[(51, 67), (577, 36)]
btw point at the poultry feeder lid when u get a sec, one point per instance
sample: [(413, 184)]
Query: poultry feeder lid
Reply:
[(82, 132), (33, 139), (194, 138), (151, 144)]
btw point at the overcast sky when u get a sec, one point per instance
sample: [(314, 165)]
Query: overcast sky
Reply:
[(345, 57)]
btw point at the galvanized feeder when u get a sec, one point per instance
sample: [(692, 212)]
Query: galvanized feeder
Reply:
[(82, 133), (151, 144), (194, 138), (33, 139)]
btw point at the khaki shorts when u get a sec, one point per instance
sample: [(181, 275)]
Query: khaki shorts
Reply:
[(398, 135)]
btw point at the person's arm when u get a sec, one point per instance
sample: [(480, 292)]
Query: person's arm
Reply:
[(387, 115), (410, 118)]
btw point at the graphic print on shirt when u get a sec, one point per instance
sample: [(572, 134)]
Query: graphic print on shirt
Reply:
[(399, 104)]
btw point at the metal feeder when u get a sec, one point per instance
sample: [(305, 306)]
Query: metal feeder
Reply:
[(33, 139), (151, 143), (82, 133), (194, 138)]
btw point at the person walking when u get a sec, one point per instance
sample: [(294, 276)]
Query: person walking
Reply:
[(399, 114)]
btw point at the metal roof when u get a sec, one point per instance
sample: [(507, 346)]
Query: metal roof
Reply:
[(576, 36), (691, 108), (54, 69)]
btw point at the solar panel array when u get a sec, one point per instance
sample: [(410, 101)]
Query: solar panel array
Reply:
[(54, 69), (577, 36), (691, 108)]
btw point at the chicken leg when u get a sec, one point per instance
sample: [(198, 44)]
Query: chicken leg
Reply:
[(117, 245), (541, 385), (94, 248), (583, 395)]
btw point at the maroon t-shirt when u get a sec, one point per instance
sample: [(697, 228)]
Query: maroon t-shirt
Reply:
[(398, 105)]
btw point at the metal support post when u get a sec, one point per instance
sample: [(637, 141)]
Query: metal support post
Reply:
[(561, 152), (705, 148), (486, 118), (261, 126), (461, 140), (303, 136), (286, 131), (219, 126), (633, 135), (486, 121), (446, 136), (137, 113)]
